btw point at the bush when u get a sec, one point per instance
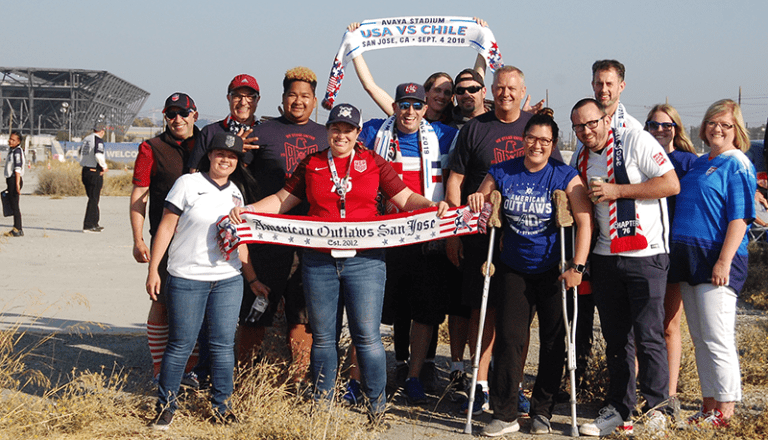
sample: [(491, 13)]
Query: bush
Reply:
[(64, 179)]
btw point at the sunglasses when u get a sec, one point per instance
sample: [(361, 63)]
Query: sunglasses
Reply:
[(470, 89), (653, 125), (171, 114), (405, 105)]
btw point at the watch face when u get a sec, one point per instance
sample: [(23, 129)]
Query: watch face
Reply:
[(580, 268)]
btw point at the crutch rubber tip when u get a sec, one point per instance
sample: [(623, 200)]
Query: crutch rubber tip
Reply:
[(574, 431)]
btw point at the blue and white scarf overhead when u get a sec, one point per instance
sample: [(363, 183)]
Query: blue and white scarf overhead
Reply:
[(428, 165), (387, 33)]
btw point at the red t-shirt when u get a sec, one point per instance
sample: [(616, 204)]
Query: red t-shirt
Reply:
[(370, 174)]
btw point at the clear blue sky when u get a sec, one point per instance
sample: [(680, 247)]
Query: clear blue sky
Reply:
[(692, 53)]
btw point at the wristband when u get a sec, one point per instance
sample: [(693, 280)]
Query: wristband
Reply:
[(253, 281)]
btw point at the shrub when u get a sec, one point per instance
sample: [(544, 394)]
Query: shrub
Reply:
[(64, 179)]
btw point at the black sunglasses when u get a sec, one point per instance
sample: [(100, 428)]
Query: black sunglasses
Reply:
[(470, 89), (405, 105), (171, 114)]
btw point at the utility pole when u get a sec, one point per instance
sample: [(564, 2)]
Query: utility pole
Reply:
[(739, 96)]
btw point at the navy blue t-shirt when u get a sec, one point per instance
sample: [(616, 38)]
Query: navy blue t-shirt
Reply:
[(531, 237)]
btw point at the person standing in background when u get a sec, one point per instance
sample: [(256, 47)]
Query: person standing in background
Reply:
[(94, 165)]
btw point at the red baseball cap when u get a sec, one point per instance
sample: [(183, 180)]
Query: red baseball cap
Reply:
[(243, 80)]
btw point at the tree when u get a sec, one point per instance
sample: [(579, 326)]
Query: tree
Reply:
[(143, 122)]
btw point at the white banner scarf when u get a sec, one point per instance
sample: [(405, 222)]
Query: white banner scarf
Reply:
[(430, 166), (387, 33), (313, 232)]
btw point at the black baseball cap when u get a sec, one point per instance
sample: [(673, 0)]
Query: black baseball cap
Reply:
[(469, 74), (411, 91), (345, 113), (180, 100), (227, 141)]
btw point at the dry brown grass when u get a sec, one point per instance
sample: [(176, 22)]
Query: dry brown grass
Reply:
[(755, 291), (64, 180)]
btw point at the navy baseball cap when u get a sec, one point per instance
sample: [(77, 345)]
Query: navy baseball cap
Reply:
[(227, 141), (180, 100), (412, 91), (345, 113)]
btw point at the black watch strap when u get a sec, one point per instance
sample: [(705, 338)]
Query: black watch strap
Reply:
[(580, 268)]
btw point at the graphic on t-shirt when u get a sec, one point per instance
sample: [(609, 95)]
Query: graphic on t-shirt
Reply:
[(296, 153), (527, 208), (510, 151)]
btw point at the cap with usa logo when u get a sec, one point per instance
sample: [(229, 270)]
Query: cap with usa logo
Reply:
[(227, 141), (180, 100)]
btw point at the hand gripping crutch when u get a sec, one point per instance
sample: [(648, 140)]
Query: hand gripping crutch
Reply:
[(564, 219), (488, 269)]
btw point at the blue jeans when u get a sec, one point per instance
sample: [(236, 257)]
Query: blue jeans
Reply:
[(356, 283), (192, 305)]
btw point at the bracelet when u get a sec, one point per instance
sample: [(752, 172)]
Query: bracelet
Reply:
[(253, 281)]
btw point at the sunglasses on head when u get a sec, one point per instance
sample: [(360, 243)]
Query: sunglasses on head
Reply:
[(470, 89), (171, 114), (405, 105)]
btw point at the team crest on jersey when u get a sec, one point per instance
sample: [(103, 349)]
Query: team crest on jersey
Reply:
[(360, 165), (711, 170), (296, 153), (660, 159)]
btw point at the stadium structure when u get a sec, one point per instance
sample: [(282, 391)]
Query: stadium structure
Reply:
[(52, 101)]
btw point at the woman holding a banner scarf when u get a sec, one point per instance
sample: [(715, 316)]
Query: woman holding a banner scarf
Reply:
[(709, 247), (357, 276), (529, 274)]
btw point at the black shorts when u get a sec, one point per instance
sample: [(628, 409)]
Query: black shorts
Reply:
[(475, 254), (416, 286), (279, 268)]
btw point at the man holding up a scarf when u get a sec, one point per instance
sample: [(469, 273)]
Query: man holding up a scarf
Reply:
[(630, 260), (418, 151)]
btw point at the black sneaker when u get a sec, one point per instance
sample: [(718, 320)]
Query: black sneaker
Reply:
[(228, 418), (189, 380), (16, 232), (93, 230), (163, 421), (459, 382), (428, 376)]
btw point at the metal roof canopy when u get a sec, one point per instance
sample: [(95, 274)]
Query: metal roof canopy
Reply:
[(47, 101)]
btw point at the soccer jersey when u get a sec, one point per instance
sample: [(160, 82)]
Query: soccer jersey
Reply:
[(712, 194), (644, 159), (531, 237), (682, 161), (200, 203), (409, 148), (92, 152), (14, 162), (370, 173)]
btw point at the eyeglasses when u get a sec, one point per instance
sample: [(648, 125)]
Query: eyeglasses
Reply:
[(405, 105), (171, 114), (722, 125), (666, 126), (590, 124), (531, 140), (470, 89), (246, 98)]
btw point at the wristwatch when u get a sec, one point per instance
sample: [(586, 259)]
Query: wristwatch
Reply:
[(580, 268)]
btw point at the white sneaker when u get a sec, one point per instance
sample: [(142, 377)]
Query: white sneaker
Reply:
[(655, 424), (498, 428), (607, 422)]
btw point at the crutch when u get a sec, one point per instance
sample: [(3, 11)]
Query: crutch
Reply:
[(564, 219), (487, 269)]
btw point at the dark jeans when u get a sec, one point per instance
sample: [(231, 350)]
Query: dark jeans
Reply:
[(519, 297), (93, 181), (629, 294), (13, 197)]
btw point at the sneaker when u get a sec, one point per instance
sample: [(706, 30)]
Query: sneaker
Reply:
[(523, 404), (353, 396), (480, 404), (377, 422), (605, 423), (414, 390), (714, 420), (189, 380), (498, 428), (655, 423), (696, 418), (540, 425), (93, 230), (458, 382), (163, 421), (100, 228), (428, 376), (228, 418), (16, 232), (401, 373)]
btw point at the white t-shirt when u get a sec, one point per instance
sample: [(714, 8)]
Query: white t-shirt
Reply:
[(629, 121), (645, 159), (194, 253)]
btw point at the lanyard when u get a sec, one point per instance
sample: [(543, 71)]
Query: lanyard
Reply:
[(341, 185)]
